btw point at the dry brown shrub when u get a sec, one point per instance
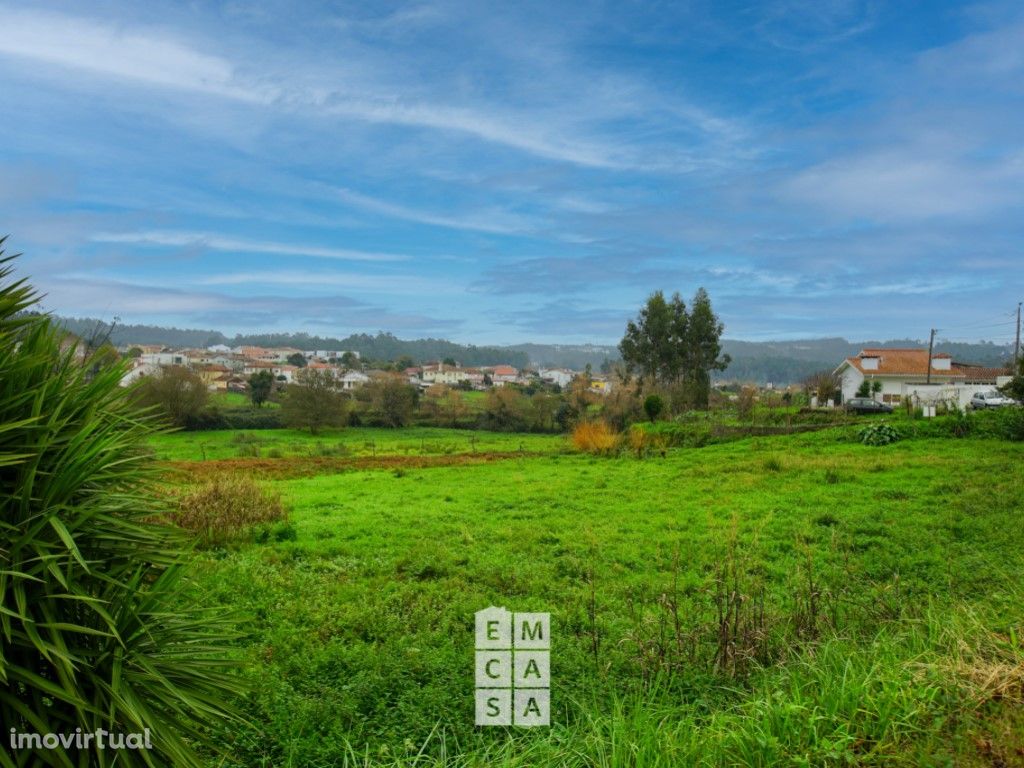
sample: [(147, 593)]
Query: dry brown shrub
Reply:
[(225, 507), (594, 437)]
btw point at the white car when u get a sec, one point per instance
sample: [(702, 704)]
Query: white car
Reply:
[(991, 399)]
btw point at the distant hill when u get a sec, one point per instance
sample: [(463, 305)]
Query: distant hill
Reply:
[(779, 362)]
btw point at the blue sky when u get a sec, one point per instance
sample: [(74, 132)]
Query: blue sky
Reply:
[(504, 172)]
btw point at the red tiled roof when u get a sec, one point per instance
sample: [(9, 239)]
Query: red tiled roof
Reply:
[(902, 362)]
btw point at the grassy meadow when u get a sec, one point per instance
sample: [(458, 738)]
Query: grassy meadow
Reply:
[(787, 600)]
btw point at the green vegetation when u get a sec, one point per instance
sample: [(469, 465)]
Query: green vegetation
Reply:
[(354, 442), (87, 636), (793, 600)]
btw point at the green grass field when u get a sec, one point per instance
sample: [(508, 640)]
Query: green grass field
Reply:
[(285, 443), (796, 600)]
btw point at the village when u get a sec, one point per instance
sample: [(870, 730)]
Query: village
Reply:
[(889, 376), (227, 369)]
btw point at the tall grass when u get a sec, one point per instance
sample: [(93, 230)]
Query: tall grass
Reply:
[(594, 437), (226, 507)]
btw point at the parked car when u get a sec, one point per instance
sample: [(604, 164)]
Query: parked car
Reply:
[(991, 399), (866, 405)]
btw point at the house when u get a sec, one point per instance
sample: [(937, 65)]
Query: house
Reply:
[(601, 385), (352, 379), (904, 373), (213, 376), (138, 371), (165, 358), (439, 373), (503, 374), (559, 376)]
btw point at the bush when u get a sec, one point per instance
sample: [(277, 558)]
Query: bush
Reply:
[(879, 434), (97, 626), (653, 406), (745, 403), (227, 508), (643, 442), (594, 437)]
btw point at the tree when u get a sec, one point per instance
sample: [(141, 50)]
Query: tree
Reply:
[(97, 628), (350, 360), (507, 409), (261, 384), (653, 406), (654, 343), (450, 361), (864, 390), (703, 348), (314, 401), (394, 399), (545, 406), (445, 404), (668, 346), (404, 362), (177, 392), (134, 353), (297, 359), (825, 385)]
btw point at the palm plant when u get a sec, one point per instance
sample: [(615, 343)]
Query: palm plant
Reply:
[(89, 634)]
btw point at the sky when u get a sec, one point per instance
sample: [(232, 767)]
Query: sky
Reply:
[(510, 172)]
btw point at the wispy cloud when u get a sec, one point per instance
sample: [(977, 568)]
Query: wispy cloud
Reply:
[(235, 245), (157, 59), (495, 221)]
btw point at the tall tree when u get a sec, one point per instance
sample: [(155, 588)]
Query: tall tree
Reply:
[(668, 346), (703, 348), (653, 343)]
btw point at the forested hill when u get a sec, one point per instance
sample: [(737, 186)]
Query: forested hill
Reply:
[(780, 362)]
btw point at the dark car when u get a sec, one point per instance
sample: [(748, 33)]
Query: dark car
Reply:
[(866, 405)]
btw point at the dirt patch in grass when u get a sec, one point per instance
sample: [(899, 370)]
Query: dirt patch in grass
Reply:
[(308, 466)]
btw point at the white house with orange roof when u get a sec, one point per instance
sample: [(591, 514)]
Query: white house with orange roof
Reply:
[(904, 373)]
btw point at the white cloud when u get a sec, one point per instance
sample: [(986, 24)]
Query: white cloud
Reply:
[(913, 183), (405, 284), (113, 51), (154, 58), (234, 245), (495, 221)]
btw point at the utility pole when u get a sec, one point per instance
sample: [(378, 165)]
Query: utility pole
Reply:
[(931, 344), (1016, 344)]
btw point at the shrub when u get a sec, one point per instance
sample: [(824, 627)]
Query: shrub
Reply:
[(594, 437), (745, 403), (772, 465), (226, 508), (653, 406), (879, 434), (97, 631), (643, 442)]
